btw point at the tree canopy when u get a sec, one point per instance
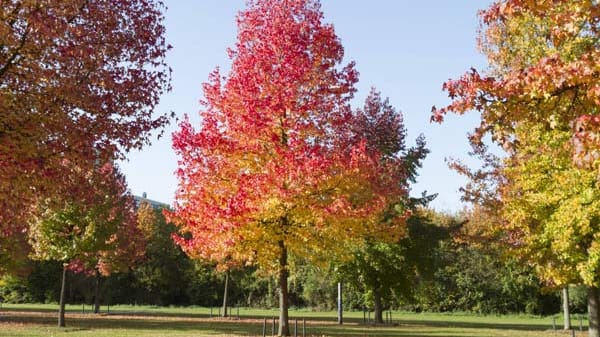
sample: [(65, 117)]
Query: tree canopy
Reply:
[(79, 83), (539, 100)]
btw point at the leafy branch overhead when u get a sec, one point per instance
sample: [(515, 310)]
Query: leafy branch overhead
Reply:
[(79, 83), (543, 58)]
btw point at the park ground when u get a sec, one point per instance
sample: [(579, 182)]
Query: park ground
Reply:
[(40, 320)]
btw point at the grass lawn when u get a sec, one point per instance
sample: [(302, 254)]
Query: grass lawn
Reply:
[(40, 320)]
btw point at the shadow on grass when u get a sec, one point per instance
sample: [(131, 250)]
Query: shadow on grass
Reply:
[(427, 328), (201, 324), (128, 321), (451, 322), (477, 325)]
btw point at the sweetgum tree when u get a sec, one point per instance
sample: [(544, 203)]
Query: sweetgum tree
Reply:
[(79, 82), (540, 100), (551, 211), (543, 58), (271, 172)]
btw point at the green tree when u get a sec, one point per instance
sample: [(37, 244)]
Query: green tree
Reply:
[(388, 272), (95, 234), (379, 265), (164, 274)]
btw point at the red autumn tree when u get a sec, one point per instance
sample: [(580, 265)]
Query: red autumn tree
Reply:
[(79, 82), (267, 176)]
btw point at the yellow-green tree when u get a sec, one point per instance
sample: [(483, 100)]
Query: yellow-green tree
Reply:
[(552, 211), (542, 84), (97, 235)]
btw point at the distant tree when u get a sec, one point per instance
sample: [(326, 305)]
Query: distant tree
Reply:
[(318, 287), (165, 272), (467, 268), (377, 262), (98, 234)]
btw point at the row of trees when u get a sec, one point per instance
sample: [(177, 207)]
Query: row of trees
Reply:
[(431, 269), (281, 168)]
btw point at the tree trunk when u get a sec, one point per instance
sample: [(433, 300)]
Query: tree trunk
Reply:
[(225, 294), (593, 312), (378, 306), (61, 307), (339, 304), (284, 329), (270, 302), (97, 293), (566, 311)]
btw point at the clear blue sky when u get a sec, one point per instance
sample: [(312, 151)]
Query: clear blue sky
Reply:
[(406, 49)]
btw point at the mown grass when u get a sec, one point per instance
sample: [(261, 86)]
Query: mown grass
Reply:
[(126, 321)]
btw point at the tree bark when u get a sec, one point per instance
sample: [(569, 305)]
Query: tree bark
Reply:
[(270, 296), (97, 293), (284, 329), (566, 311), (593, 312), (61, 307), (225, 294), (378, 306)]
